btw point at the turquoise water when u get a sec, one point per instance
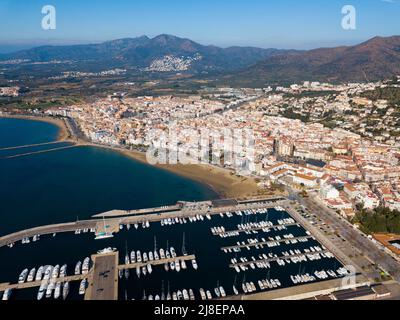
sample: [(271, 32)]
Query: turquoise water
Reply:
[(76, 183)]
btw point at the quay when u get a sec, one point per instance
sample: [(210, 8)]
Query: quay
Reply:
[(247, 263), (103, 279), (112, 224), (271, 242), (156, 262)]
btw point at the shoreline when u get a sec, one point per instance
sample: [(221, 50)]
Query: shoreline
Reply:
[(63, 131), (222, 181)]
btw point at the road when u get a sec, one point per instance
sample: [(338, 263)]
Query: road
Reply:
[(353, 236)]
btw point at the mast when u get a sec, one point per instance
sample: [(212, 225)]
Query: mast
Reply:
[(183, 246)]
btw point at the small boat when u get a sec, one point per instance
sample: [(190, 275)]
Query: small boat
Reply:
[(42, 290), (191, 295), (144, 270), (55, 272), (7, 294), (222, 291), (86, 265), (194, 264), (78, 268), (133, 257), (65, 290), (39, 274), (177, 266), (57, 291), (217, 292), (47, 272), (162, 253), (166, 266), (209, 295), (120, 273), (22, 277), (126, 272), (138, 271), (82, 287), (50, 289), (149, 269), (183, 264), (31, 275), (63, 271), (203, 294)]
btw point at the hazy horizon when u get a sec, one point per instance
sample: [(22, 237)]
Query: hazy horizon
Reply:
[(283, 24)]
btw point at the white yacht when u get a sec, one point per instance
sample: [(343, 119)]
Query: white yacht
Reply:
[(7, 294), (42, 290), (86, 265), (63, 271), (55, 272), (82, 287), (57, 291), (31, 275), (39, 274), (133, 257), (22, 277), (78, 268), (65, 290)]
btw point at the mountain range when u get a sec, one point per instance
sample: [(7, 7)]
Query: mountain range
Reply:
[(375, 59)]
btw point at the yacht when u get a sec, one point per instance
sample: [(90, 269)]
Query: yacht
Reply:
[(42, 290), (194, 264), (86, 265), (50, 289), (151, 258), (47, 273), (235, 291), (149, 268), (7, 294), (78, 268), (138, 256), (144, 270), (156, 256), (22, 277), (63, 271), (191, 295), (183, 264), (31, 275), (222, 291), (217, 292), (177, 266), (55, 272), (185, 295), (82, 287), (162, 253), (65, 290), (173, 253), (57, 291), (39, 274), (209, 295), (203, 294), (145, 259), (138, 271), (133, 257)]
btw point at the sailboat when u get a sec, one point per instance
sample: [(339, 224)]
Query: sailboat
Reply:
[(104, 234), (235, 291), (183, 246)]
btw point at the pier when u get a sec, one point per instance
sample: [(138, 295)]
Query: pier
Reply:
[(30, 145), (38, 152), (271, 242), (112, 224)]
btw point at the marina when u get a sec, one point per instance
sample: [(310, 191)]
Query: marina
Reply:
[(188, 255)]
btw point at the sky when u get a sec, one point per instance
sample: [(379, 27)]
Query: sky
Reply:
[(297, 24)]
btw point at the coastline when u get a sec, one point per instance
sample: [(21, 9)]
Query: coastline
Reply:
[(63, 131), (223, 181)]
